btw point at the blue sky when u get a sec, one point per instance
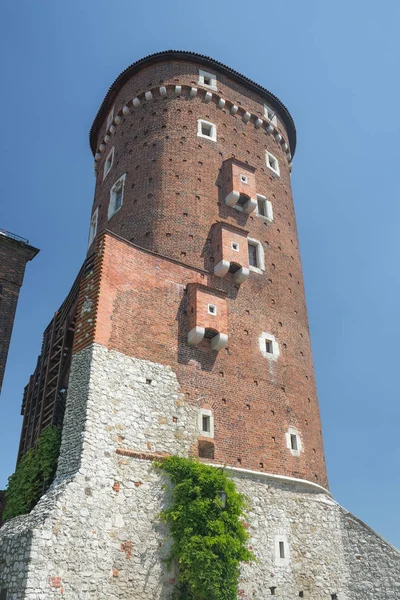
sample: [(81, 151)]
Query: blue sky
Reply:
[(335, 65)]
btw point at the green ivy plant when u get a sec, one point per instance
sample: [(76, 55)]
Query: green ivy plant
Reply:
[(207, 528), (33, 475)]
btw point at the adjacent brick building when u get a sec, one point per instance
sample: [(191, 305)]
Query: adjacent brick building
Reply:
[(186, 333), (15, 252)]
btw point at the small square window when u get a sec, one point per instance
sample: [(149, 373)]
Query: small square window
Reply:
[(272, 163), (108, 162), (206, 423), (293, 441), (253, 258), (207, 79), (269, 346), (244, 179), (235, 246), (270, 114), (206, 130), (212, 309)]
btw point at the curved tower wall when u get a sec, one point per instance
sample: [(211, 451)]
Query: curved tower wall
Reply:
[(174, 196)]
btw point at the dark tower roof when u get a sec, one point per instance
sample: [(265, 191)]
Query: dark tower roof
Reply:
[(203, 60)]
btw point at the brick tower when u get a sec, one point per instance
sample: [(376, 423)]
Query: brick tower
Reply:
[(15, 252), (189, 337)]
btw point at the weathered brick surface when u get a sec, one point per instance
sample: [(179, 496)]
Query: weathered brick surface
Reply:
[(13, 258), (142, 311), (175, 190)]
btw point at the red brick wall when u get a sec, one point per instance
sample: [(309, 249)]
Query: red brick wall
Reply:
[(142, 311), (174, 194), (13, 258)]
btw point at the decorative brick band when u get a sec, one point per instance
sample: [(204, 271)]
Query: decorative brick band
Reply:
[(192, 92), (141, 455)]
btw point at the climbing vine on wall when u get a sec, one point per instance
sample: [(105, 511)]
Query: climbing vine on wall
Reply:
[(208, 532), (33, 475)]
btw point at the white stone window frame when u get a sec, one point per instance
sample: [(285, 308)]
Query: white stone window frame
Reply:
[(244, 179), (206, 75), (268, 209), (213, 136), (270, 157), (205, 412), (110, 118), (108, 163), (265, 336), (93, 226), (212, 309), (282, 562), (260, 256), (235, 246), (293, 431), (270, 114), (111, 206)]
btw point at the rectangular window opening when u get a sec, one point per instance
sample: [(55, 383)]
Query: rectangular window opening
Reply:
[(268, 346), (206, 129), (118, 198), (253, 261), (262, 207), (281, 549), (235, 246), (244, 179), (293, 441), (206, 424)]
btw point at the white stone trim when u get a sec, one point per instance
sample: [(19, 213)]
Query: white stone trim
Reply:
[(272, 162), (293, 431), (284, 478), (108, 163), (213, 136), (244, 179), (270, 114), (235, 246), (93, 226), (222, 268), (195, 335), (205, 412), (232, 200), (111, 205), (241, 275), (219, 341), (274, 355), (221, 103), (213, 79), (268, 209), (279, 561), (260, 255)]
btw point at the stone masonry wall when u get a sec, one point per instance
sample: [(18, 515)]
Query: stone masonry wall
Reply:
[(96, 534)]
